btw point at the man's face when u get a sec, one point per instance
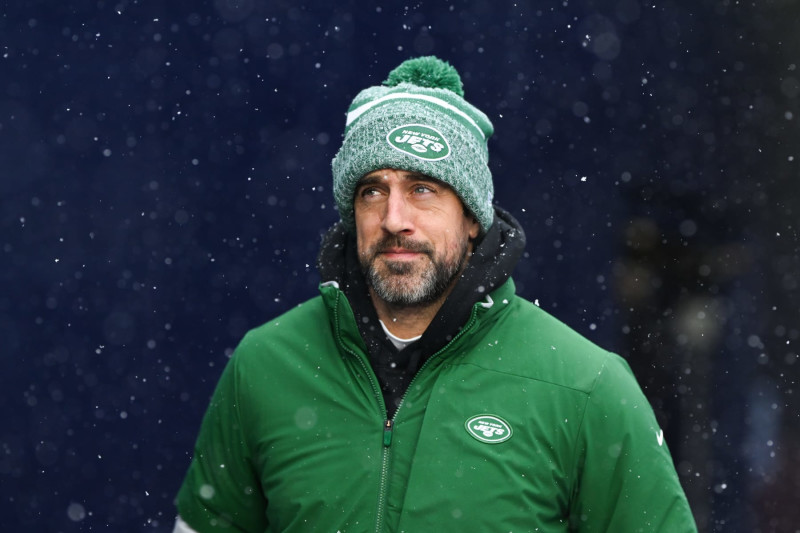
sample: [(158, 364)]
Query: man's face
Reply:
[(413, 236)]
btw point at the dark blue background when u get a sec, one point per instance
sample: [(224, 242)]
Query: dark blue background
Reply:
[(165, 179)]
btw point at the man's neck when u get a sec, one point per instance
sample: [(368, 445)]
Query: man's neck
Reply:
[(406, 321)]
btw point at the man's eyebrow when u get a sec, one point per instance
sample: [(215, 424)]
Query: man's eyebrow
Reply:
[(375, 177), (369, 179), (419, 176)]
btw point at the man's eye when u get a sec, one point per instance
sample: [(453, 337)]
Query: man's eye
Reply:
[(422, 189)]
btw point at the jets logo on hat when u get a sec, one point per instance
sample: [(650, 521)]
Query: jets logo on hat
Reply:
[(420, 141)]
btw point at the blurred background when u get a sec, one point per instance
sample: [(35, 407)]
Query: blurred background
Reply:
[(165, 180)]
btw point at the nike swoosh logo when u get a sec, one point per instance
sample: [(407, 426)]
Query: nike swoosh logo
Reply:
[(660, 437)]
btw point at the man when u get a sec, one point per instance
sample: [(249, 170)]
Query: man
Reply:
[(417, 393)]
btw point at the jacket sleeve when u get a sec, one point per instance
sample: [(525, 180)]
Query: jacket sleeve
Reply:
[(221, 491), (182, 527), (625, 477)]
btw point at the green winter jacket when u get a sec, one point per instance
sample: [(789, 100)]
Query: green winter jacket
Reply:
[(518, 424)]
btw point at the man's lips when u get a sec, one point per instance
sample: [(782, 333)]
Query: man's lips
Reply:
[(400, 253)]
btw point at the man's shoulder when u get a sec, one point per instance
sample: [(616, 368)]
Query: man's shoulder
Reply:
[(300, 322), (547, 349), (299, 313), (533, 325)]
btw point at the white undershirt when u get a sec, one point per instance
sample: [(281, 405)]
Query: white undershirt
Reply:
[(397, 341)]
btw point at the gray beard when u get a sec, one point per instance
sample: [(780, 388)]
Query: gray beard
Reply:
[(402, 284)]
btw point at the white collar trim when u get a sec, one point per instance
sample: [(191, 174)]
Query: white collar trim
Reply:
[(397, 341)]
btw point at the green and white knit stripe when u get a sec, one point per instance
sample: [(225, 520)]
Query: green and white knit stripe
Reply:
[(354, 114)]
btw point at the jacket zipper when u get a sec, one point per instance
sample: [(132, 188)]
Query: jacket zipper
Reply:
[(388, 424), (387, 441), (387, 432)]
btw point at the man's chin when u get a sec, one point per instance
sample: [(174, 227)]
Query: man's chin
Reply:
[(402, 267), (396, 288)]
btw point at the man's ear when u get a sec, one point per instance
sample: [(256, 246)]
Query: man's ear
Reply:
[(474, 228)]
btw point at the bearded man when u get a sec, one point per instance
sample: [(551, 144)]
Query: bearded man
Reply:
[(418, 392)]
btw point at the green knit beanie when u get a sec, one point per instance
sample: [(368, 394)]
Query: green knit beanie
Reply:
[(417, 121)]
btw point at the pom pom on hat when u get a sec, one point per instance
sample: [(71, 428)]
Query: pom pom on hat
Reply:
[(428, 71)]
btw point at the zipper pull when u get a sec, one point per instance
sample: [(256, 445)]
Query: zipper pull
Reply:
[(387, 432)]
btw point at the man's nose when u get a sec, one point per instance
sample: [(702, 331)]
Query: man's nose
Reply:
[(399, 215)]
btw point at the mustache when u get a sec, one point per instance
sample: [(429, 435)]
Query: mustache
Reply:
[(399, 241)]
